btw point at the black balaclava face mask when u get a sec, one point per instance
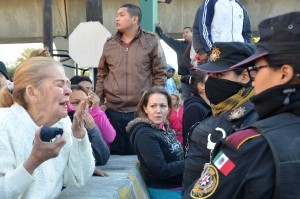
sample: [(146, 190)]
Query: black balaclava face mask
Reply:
[(217, 90)]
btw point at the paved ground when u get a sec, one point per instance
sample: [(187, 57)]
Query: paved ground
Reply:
[(124, 182)]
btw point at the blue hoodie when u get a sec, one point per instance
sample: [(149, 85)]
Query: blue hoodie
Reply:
[(170, 84)]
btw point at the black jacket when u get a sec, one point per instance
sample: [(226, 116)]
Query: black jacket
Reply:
[(198, 154), (159, 152), (195, 110), (265, 155), (179, 47), (197, 44)]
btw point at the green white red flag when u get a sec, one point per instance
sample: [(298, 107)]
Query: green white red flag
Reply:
[(223, 163)]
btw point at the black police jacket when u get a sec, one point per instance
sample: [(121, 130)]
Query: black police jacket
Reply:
[(282, 134), (261, 161), (266, 163), (198, 154)]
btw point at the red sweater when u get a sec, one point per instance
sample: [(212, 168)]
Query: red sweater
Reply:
[(176, 122)]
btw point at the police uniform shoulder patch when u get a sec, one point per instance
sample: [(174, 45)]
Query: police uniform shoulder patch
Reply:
[(237, 113), (240, 137), (207, 183)]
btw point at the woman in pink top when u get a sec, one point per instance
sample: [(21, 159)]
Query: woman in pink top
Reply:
[(107, 130), (100, 118), (176, 116)]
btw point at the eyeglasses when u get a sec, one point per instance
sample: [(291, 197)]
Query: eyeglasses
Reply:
[(252, 71)]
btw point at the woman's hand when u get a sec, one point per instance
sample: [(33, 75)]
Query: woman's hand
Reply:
[(94, 99), (103, 107), (42, 151), (99, 173), (88, 120), (78, 122)]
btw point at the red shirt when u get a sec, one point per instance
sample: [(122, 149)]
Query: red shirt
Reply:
[(176, 121)]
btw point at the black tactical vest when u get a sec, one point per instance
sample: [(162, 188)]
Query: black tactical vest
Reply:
[(197, 152), (282, 133)]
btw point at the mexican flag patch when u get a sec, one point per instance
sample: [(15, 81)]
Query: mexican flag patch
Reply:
[(223, 163)]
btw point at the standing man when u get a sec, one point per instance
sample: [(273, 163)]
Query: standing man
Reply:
[(132, 61), (3, 75), (179, 47), (220, 21)]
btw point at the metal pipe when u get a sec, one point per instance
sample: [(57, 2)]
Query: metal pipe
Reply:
[(94, 10), (47, 25), (94, 13)]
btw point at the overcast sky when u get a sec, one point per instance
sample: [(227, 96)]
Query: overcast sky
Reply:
[(10, 52)]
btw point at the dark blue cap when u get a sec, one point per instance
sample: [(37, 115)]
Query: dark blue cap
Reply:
[(3, 70), (224, 55)]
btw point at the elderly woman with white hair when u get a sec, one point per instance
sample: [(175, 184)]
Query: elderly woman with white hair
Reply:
[(30, 167)]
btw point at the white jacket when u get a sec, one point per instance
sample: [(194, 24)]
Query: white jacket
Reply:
[(74, 165), (223, 21)]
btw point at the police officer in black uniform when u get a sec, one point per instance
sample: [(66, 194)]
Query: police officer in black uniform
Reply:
[(228, 91), (263, 160)]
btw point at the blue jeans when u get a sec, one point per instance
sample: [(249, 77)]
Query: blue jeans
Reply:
[(186, 91), (121, 144), (164, 193)]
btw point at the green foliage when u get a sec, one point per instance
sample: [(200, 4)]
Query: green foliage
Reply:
[(24, 55), (176, 78)]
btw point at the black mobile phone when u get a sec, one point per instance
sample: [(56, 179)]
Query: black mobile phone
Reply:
[(51, 134)]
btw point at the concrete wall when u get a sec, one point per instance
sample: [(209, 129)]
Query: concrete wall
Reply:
[(261, 9), (22, 21), (173, 16)]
